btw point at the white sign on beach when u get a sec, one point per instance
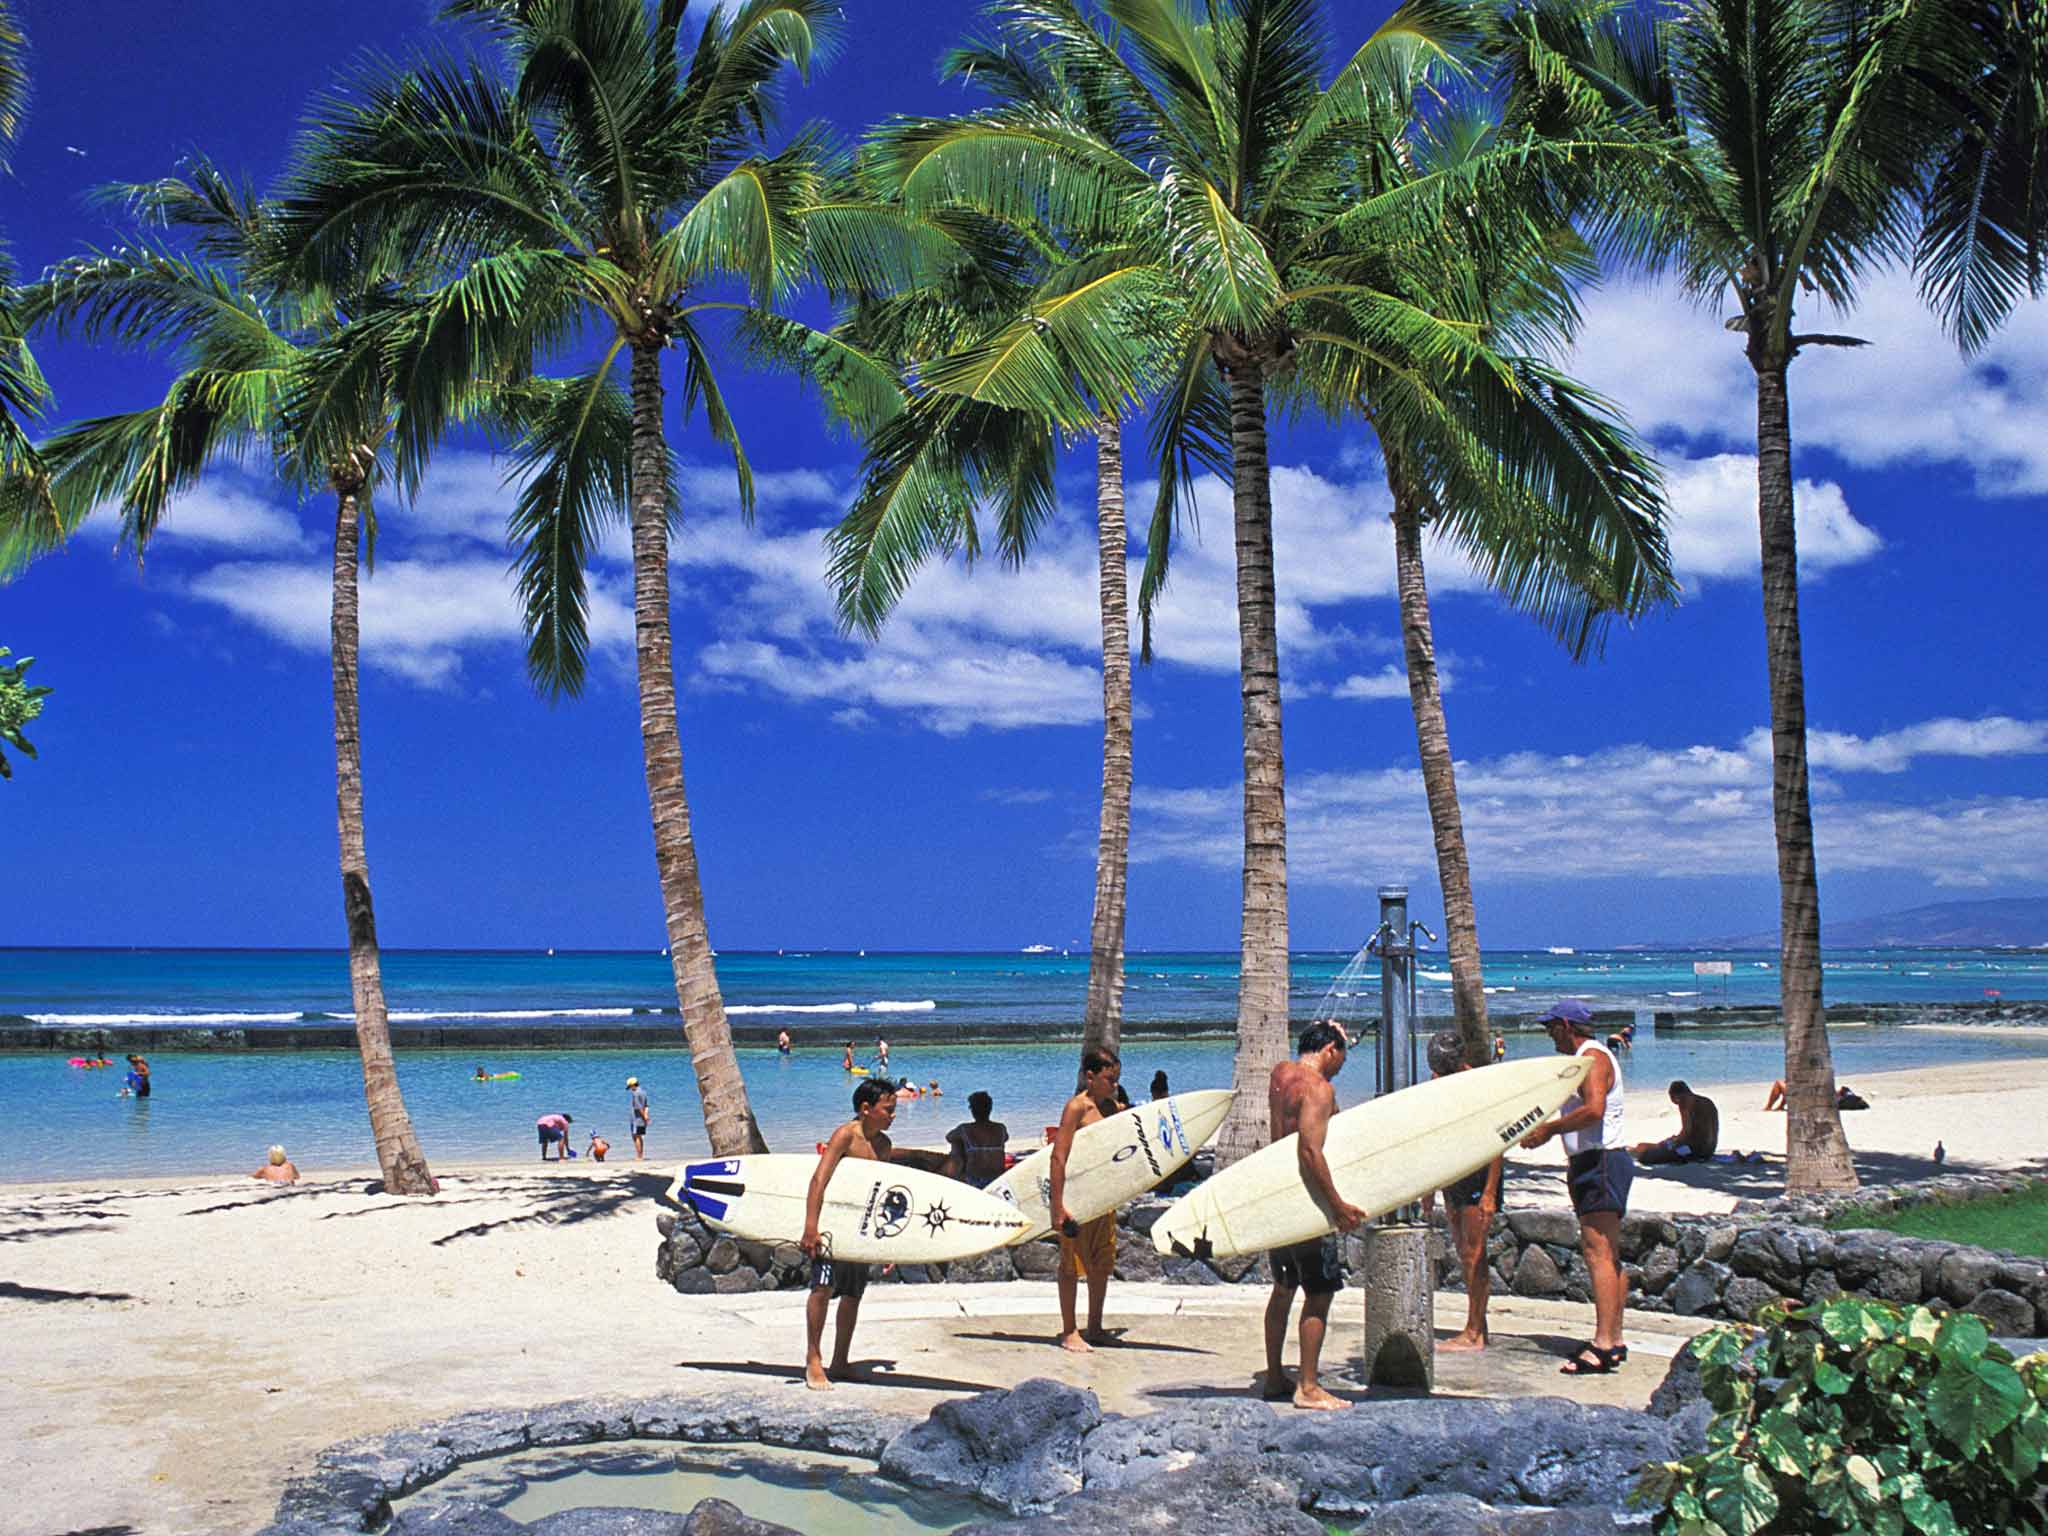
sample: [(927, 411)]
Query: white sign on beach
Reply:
[(1713, 967)]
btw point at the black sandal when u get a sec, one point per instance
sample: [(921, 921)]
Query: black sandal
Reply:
[(1590, 1359)]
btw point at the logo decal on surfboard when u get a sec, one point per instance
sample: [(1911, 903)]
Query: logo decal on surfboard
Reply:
[(1515, 1128)]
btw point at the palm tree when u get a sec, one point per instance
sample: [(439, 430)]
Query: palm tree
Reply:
[(1984, 239), (20, 702), (901, 517), (1535, 479), (27, 516), (1803, 131), (1233, 171), (264, 369), (614, 190)]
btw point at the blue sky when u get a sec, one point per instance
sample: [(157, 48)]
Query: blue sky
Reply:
[(938, 788)]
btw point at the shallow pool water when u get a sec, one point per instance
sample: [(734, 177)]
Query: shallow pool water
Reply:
[(811, 1491)]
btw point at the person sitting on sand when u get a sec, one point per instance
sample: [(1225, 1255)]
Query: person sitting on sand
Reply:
[(1086, 1248), (979, 1145), (865, 1135), (554, 1131), (1158, 1086), (1698, 1134), (278, 1169), (1301, 1101), (1775, 1099), (1469, 1206)]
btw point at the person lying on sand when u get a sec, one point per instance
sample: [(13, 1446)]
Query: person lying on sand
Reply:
[(865, 1135)]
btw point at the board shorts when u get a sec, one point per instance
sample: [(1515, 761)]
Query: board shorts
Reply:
[(846, 1281), (1093, 1252), (1315, 1266), (549, 1136), (1599, 1180), (1471, 1189), (639, 1128)]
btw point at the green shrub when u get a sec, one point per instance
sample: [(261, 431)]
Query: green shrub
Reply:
[(1858, 1416)]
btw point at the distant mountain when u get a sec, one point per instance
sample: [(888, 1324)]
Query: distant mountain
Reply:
[(2014, 920)]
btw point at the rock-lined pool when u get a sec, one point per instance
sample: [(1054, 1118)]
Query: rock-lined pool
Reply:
[(811, 1491)]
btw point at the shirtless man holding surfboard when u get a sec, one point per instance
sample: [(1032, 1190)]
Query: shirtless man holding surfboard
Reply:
[(1302, 1102), (865, 1135), (1086, 1248)]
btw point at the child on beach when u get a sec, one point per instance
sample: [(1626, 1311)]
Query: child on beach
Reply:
[(1469, 1206), (865, 1135)]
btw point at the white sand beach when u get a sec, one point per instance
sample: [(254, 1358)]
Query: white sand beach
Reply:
[(177, 1348)]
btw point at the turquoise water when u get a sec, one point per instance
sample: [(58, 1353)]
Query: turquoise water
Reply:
[(216, 1112), (113, 988)]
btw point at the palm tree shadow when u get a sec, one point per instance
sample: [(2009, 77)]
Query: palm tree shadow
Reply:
[(572, 1201), (9, 1290), (869, 1373), (1119, 1339)]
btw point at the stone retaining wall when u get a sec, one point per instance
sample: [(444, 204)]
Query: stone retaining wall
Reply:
[(1695, 1266)]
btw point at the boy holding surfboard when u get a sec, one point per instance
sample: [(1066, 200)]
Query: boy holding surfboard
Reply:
[(1302, 1101), (1085, 1247), (865, 1135)]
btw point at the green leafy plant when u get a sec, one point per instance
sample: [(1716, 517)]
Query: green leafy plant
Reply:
[(19, 704), (1857, 1416)]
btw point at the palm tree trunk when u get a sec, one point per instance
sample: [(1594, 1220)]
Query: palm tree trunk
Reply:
[(1816, 1151), (1439, 777), (1262, 999), (399, 1156), (728, 1117), (1103, 1023)]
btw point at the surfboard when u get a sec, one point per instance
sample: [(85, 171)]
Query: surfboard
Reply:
[(1114, 1160), (874, 1213), (1382, 1155)]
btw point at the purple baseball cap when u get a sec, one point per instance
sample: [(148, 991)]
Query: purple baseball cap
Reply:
[(1571, 1011)]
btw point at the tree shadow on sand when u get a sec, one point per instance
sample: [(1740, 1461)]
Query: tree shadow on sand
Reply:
[(867, 1373), (37, 1234), (12, 1292), (567, 1203), (1766, 1180)]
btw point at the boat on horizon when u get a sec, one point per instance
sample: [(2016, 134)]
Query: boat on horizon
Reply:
[(1559, 949), (1037, 949)]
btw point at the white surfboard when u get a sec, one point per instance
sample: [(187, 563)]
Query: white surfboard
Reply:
[(874, 1212), (1116, 1159), (1382, 1155)]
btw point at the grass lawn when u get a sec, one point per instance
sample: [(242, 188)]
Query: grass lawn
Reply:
[(2016, 1222)]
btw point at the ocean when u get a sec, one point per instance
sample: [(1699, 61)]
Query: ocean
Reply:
[(217, 1111)]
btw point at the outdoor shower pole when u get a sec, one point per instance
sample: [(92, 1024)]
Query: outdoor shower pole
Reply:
[(1400, 1281)]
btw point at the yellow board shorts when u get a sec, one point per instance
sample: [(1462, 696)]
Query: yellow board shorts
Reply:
[(1093, 1253)]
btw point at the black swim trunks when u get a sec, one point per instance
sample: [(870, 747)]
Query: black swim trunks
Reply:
[(843, 1280), (1471, 1189), (1315, 1266), (1599, 1180)]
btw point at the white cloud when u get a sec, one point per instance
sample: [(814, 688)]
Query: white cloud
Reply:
[(1909, 397), (231, 509), (1895, 751), (417, 617), (1714, 529), (1390, 682), (1631, 811)]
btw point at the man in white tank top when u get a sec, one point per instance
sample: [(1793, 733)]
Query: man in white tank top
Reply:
[(1598, 1171)]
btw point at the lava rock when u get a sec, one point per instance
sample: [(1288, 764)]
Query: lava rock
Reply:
[(1821, 1285), (1660, 1267), (1720, 1243), (641, 1522), (1456, 1514), (455, 1519), (716, 1517), (1537, 1274), (1641, 1233), (724, 1257), (2003, 1311), (1744, 1296), (994, 1265), (1138, 1261), (1036, 1260), (1227, 1493), (1019, 1450), (1188, 1272), (1140, 1217), (1697, 1288), (1559, 1227), (1965, 1273)]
